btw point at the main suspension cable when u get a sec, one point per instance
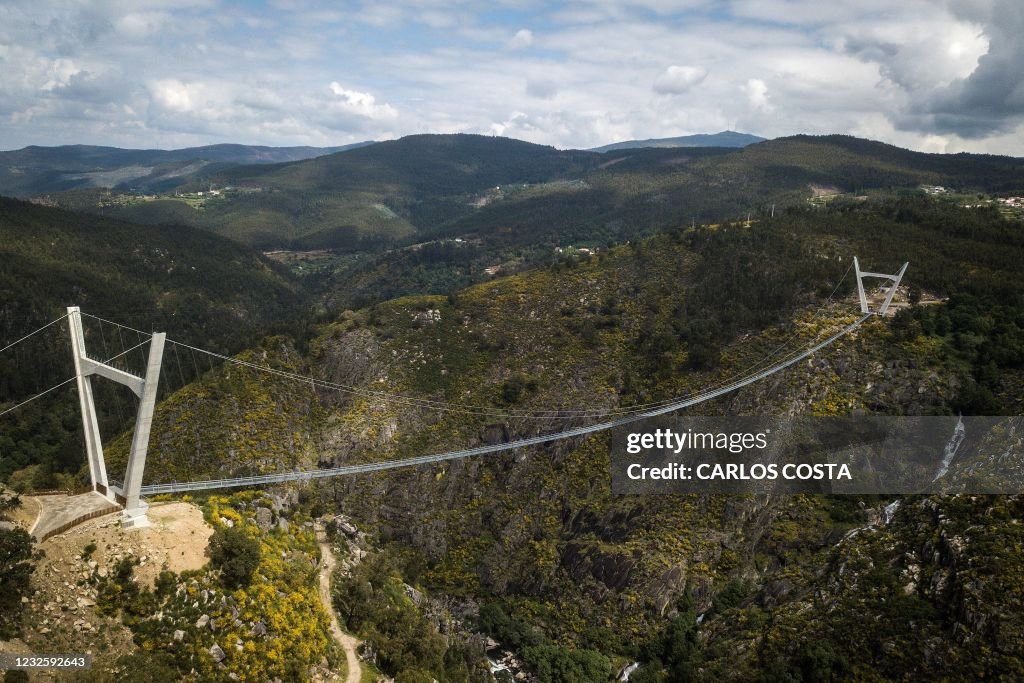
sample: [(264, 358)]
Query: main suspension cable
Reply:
[(33, 333)]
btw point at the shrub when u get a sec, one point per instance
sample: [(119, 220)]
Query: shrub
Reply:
[(731, 595), (236, 554), (516, 387)]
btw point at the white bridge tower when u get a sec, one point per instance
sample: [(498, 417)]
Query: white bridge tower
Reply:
[(894, 279), (134, 514)]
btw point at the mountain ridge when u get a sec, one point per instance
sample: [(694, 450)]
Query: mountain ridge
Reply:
[(725, 138), (36, 169), (405, 190)]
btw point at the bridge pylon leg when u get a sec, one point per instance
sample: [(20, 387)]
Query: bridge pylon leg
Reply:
[(134, 514), (93, 443), (860, 286), (135, 508)]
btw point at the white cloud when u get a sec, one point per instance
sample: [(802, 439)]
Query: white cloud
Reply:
[(522, 38), (541, 89), (175, 95), (182, 72), (61, 71), (361, 103), (929, 52), (137, 25), (677, 80), (757, 94)]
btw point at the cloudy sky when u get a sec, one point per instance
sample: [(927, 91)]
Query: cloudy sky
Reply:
[(932, 75)]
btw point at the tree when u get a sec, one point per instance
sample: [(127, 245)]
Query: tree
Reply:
[(16, 566), (703, 351), (556, 664), (820, 662), (414, 676), (652, 672), (9, 502), (676, 650), (513, 390), (236, 554)]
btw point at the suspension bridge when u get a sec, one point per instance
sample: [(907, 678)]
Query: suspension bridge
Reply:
[(130, 494)]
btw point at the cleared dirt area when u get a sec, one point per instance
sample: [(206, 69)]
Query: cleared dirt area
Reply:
[(824, 190), (61, 617), (176, 540)]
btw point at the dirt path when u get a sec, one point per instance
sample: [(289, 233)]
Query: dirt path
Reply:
[(347, 642)]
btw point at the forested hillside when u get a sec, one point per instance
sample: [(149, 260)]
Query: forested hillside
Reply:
[(408, 190), (646, 191), (187, 282), (533, 549), (363, 198), (33, 171)]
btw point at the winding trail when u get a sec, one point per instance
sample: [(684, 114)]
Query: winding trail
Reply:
[(347, 642)]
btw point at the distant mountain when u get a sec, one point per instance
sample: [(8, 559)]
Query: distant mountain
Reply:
[(727, 138), (638, 192), (522, 195), (363, 197), (440, 164), (36, 170)]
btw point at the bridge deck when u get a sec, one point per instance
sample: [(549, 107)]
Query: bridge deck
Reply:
[(263, 479)]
